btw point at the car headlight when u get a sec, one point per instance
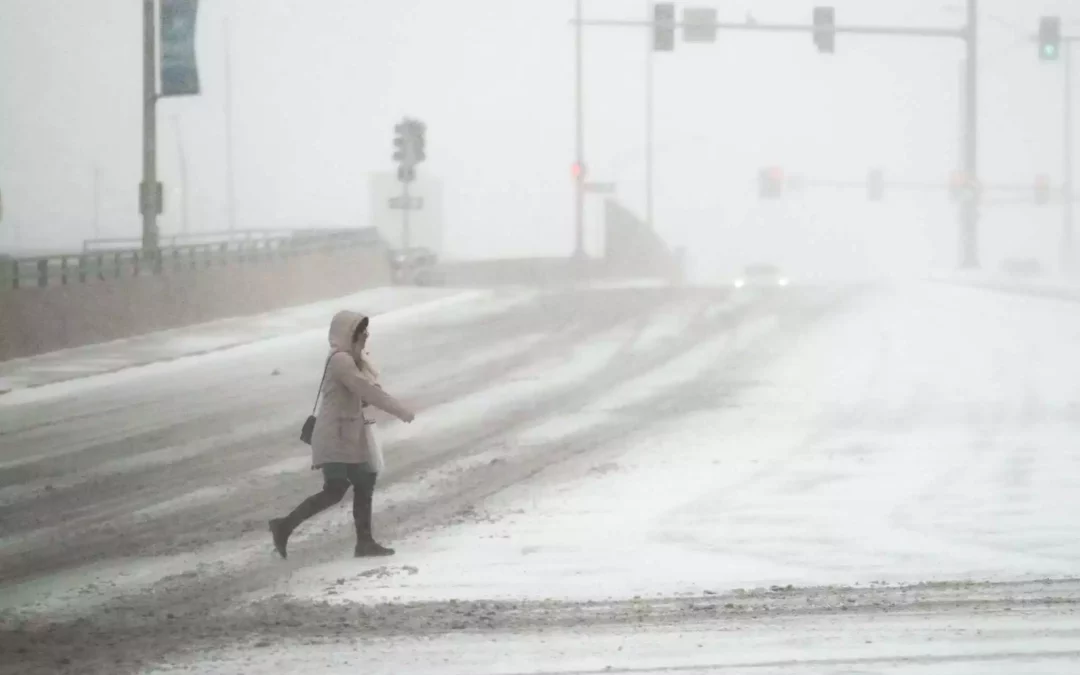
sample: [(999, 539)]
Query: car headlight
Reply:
[(739, 283), (784, 282)]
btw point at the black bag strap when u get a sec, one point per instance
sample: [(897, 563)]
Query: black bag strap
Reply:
[(322, 382)]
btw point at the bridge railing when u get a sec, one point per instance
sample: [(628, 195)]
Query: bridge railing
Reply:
[(107, 264), (184, 239)]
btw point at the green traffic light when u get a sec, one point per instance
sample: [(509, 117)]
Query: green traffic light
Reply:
[(1050, 51)]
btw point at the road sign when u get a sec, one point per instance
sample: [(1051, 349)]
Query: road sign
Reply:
[(699, 24), (600, 188), (179, 67), (412, 204)]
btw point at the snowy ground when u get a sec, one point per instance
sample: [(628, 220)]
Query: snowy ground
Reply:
[(634, 480), (1058, 286), (850, 643), (895, 444)]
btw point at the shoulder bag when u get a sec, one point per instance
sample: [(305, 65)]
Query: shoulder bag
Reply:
[(309, 425)]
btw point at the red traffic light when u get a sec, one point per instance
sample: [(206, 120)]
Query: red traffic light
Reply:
[(771, 182), (1042, 188), (577, 170)]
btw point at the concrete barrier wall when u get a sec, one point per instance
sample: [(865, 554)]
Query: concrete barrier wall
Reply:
[(39, 320)]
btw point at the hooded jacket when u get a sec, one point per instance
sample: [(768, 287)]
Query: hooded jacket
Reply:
[(351, 383)]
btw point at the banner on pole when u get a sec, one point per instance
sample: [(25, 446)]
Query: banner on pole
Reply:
[(179, 68)]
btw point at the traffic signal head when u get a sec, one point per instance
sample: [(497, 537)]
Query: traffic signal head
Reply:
[(664, 27), (409, 142), (417, 132), (771, 183), (875, 185), (1049, 38), (1042, 189), (825, 29), (957, 184), (400, 152)]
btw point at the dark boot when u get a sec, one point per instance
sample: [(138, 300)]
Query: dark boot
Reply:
[(371, 549), (366, 546), (280, 531), (281, 528)]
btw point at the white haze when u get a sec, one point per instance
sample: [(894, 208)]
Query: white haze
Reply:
[(319, 85)]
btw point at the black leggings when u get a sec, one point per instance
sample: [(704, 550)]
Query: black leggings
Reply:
[(334, 489)]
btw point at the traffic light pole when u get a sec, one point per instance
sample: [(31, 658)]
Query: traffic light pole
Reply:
[(406, 207), (579, 152), (969, 212), (895, 31), (1067, 252)]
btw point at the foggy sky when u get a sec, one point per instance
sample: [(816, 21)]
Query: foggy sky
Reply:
[(319, 84)]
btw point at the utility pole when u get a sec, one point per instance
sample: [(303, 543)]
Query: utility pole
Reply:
[(579, 152), (1067, 256), (969, 212), (649, 117), (149, 202), (230, 176)]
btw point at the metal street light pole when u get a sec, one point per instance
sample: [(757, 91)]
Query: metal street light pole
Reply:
[(230, 176), (148, 201)]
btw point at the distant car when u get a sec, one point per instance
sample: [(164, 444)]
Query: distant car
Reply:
[(414, 266), (762, 276)]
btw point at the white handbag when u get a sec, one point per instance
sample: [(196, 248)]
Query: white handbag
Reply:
[(375, 454)]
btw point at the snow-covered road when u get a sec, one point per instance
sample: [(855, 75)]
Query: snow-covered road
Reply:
[(644, 464)]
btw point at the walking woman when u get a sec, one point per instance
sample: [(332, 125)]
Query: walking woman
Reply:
[(340, 445)]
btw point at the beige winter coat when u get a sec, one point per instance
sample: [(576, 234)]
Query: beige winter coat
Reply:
[(348, 387)]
